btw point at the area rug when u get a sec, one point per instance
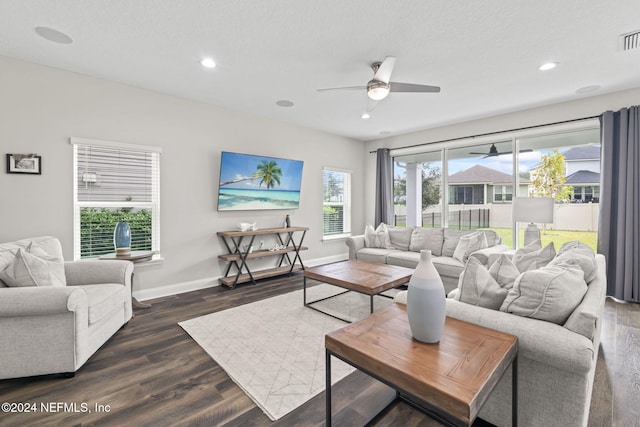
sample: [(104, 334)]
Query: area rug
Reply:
[(274, 349)]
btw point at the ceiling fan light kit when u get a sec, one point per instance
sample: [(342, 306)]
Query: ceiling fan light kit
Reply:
[(379, 87), (377, 90)]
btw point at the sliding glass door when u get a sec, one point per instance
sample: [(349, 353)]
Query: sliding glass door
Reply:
[(468, 184)]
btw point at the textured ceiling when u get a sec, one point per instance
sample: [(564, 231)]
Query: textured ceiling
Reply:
[(483, 54)]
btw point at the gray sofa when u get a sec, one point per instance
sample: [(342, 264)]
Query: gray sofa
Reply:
[(407, 242), (556, 363), (56, 324)]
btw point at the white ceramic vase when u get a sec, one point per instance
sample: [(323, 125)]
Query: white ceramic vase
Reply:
[(426, 301)]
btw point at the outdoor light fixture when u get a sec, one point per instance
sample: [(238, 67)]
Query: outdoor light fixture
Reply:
[(532, 210)]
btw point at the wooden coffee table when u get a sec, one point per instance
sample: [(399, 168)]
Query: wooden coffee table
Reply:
[(450, 380), (365, 277)]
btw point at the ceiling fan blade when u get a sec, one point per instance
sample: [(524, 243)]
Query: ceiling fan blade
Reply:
[(410, 87), (383, 74), (371, 104), (343, 88), (528, 150)]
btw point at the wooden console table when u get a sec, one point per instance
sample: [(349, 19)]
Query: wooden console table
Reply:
[(239, 244)]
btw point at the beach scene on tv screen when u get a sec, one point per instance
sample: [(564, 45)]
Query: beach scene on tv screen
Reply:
[(250, 182)]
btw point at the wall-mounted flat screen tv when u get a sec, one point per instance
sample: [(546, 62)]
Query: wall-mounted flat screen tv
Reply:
[(250, 182)]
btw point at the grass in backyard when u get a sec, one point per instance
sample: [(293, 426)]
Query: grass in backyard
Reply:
[(558, 237)]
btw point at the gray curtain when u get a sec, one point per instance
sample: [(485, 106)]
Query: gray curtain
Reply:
[(384, 187), (619, 219)]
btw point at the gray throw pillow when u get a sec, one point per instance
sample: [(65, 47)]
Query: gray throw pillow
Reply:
[(428, 239), (580, 255), (504, 271), (400, 237), (451, 239), (468, 244), (532, 256), (56, 264), (29, 270), (549, 293), (477, 286)]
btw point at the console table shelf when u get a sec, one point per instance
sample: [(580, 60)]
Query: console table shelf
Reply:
[(239, 244), (257, 275), (261, 253)]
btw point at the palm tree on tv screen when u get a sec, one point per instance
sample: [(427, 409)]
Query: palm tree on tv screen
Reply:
[(269, 173)]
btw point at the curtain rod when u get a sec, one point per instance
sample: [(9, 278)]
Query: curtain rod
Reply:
[(490, 133)]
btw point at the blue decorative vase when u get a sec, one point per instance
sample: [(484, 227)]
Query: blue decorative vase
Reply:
[(122, 238)]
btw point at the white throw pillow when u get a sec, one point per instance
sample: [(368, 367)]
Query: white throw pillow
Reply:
[(28, 270), (549, 293), (477, 286), (504, 271), (580, 255), (533, 256), (378, 238), (56, 265), (468, 244)]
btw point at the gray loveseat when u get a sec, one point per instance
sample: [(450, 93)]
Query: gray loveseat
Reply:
[(407, 242), (556, 362), (56, 314)]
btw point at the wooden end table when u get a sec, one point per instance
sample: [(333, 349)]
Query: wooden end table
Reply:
[(134, 257), (450, 380), (365, 277)]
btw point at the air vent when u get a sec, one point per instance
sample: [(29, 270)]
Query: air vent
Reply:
[(630, 41)]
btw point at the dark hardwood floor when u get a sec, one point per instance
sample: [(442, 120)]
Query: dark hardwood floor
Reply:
[(151, 373)]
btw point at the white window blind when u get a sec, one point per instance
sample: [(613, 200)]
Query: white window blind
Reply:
[(115, 182), (336, 189)]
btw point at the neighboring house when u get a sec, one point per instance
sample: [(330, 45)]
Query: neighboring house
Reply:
[(586, 186), (583, 173), (479, 185)]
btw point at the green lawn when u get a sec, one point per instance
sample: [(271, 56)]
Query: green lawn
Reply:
[(558, 237)]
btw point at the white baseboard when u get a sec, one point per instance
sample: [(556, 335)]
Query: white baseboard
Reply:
[(195, 285), (326, 260), (177, 288)]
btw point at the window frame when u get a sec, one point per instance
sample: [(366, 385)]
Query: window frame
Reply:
[(503, 193), (153, 205), (346, 203)]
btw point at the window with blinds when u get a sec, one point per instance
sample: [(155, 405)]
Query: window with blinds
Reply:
[(115, 182), (336, 206)]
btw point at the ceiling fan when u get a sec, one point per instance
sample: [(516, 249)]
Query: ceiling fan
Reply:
[(379, 87), (493, 152)]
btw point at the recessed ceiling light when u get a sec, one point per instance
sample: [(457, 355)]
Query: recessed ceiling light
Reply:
[(588, 89), (284, 103), (365, 115), (208, 63), (548, 66), (53, 35)]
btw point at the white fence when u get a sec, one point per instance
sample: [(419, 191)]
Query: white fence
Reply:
[(573, 216)]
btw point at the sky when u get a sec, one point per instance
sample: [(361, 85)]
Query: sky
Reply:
[(500, 163), (237, 166)]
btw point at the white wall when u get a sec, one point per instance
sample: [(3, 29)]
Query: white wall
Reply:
[(578, 109), (41, 107)]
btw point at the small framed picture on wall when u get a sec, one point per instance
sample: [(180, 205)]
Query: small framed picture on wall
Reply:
[(24, 163)]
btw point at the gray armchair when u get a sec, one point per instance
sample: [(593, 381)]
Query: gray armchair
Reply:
[(48, 329)]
